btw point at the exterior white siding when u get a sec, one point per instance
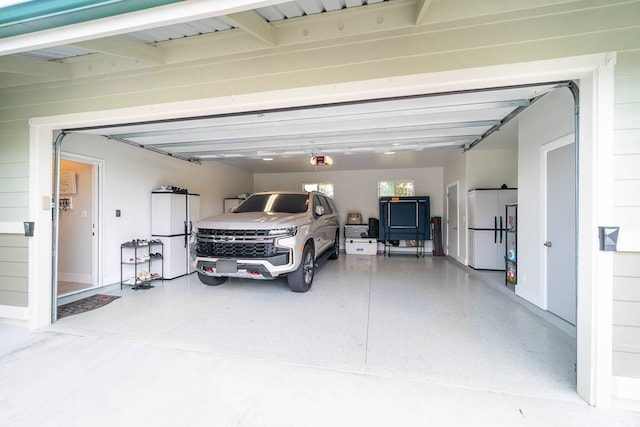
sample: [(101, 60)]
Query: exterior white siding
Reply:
[(14, 207), (626, 166)]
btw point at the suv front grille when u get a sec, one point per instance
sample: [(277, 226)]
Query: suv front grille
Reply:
[(232, 233), (236, 244)]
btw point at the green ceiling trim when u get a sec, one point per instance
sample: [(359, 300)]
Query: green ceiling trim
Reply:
[(38, 15)]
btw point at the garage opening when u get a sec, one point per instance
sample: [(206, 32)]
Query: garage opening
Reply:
[(434, 130)]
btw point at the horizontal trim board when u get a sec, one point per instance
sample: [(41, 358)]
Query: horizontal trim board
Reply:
[(9, 214), (14, 312), (629, 239), (626, 388)]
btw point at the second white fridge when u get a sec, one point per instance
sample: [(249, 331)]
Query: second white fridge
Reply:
[(487, 227)]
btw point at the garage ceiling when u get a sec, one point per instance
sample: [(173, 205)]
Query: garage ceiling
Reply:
[(417, 131)]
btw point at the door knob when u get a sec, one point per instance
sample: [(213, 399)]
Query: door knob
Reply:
[(547, 244)]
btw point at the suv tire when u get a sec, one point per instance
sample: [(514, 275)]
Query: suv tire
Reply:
[(300, 280), (211, 280)]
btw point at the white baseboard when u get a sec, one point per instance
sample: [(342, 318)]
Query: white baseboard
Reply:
[(74, 277), (626, 391), (13, 312)]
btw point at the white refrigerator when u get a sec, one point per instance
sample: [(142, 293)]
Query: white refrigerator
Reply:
[(487, 225), (172, 219)]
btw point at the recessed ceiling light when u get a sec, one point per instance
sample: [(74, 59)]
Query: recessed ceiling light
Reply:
[(389, 152), (267, 159)]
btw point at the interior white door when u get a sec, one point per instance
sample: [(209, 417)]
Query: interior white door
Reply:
[(452, 221), (560, 243)]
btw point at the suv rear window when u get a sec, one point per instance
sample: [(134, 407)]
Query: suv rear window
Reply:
[(286, 203)]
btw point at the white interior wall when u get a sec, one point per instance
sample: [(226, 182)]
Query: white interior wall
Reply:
[(492, 168), (74, 245), (132, 173), (357, 191), (545, 121)]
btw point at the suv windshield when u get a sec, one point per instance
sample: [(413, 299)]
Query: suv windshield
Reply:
[(287, 203)]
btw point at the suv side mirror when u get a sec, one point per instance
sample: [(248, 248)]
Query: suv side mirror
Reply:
[(319, 210)]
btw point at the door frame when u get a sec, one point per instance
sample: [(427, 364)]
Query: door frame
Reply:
[(457, 185), (595, 268), (544, 151), (97, 207)]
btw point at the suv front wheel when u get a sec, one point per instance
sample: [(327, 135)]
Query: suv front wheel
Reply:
[(300, 280)]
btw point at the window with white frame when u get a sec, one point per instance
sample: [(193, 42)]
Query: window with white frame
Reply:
[(323, 187), (396, 188)]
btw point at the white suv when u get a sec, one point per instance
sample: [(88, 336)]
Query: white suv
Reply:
[(268, 235)]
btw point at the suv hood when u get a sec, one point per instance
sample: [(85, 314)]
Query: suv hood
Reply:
[(250, 220)]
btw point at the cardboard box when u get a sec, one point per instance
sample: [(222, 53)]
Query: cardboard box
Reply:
[(361, 246), (354, 218)]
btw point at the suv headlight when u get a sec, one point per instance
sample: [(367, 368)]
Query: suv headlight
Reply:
[(283, 232)]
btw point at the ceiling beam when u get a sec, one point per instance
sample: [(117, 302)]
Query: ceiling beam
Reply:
[(422, 6), (34, 67), (253, 24), (118, 46)]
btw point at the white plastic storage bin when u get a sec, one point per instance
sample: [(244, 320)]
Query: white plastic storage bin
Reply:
[(361, 246)]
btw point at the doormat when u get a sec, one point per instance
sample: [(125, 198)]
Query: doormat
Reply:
[(85, 304)]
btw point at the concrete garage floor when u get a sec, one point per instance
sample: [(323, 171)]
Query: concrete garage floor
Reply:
[(378, 341)]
